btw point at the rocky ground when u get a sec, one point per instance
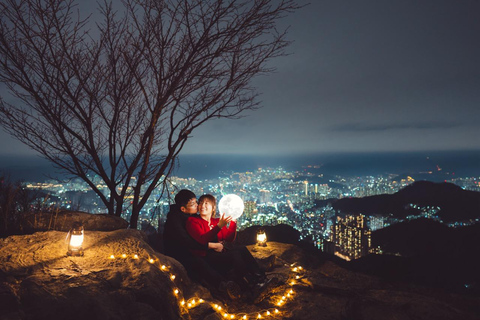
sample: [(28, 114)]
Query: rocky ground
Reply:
[(122, 277)]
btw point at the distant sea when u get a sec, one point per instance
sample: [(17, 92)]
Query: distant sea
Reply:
[(201, 167)]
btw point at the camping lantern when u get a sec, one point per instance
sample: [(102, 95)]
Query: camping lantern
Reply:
[(75, 240), (261, 238)]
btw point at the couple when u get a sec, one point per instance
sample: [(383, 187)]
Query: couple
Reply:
[(203, 244)]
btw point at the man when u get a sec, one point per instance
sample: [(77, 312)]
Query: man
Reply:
[(178, 243)]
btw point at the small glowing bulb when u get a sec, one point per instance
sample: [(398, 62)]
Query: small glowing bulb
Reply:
[(124, 256), (283, 298), (225, 315), (279, 303), (292, 283), (193, 301), (232, 316), (151, 261), (291, 291), (189, 305), (244, 317), (163, 267), (135, 256), (288, 295), (276, 311), (295, 269), (201, 300), (112, 257), (259, 316), (300, 268), (175, 291), (172, 277), (268, 313), (215, 306), (297, 277), (183, 302)]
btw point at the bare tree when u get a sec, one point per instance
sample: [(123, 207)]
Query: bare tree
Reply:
[(117, 100)]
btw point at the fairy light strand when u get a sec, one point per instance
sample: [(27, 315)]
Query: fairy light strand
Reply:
[(296, 273)]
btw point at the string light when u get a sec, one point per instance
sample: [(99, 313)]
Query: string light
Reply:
[(193, 302)]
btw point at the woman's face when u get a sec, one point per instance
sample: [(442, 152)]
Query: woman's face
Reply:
[(205, 209)]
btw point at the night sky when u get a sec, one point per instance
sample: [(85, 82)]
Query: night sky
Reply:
[(397, 75)]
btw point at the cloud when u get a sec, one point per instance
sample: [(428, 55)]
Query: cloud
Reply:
[(372, 127)]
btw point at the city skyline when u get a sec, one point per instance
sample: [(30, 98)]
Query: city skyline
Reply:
[(370, 76)]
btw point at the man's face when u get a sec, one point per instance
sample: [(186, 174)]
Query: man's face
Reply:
[(190, 207)]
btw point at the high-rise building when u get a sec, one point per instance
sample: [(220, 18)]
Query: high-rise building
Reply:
[(351, 237), (250, 209)]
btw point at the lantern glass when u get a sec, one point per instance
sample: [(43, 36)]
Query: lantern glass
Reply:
[(75, 240), (261, 238)]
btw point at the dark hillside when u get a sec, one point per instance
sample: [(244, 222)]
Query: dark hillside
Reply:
[(456, 204)]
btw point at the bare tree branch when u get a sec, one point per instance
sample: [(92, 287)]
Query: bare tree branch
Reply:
[(120, 100)]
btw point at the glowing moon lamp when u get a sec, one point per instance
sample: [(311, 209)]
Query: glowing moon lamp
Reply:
[(232, 205)]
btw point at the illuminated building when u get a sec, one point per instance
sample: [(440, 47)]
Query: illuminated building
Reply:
[(351, 237), (250, 209)]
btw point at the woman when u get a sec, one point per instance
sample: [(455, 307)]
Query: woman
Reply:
[(235, 263)]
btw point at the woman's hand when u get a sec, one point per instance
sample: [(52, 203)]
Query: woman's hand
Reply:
[(224, 221), (217, 246)]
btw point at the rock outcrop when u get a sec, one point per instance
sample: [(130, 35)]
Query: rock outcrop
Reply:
[(122, 277), (63, 221)]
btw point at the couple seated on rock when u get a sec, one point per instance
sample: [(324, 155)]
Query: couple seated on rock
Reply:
[(204, 245)]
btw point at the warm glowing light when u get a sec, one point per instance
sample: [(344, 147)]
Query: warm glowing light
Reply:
[(276, 311), (295, 269), (245, 317), (292, 283), (225, 315), (268, 313), (135, 256), (189, 305), (75, 240), (288, 295), (201, 300), (172, 277), (261, 238), (151, 261), (232, 316), (163, 267), (291, 291), (124, 256), (193, 301), (112, 256), (259, 316), (176, 291), (182, 302), (297, 277)]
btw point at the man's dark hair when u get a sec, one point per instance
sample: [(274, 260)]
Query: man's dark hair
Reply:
[(183, 196)]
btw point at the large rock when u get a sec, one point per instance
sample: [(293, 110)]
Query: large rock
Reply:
[(63, 221), (38, 281)]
